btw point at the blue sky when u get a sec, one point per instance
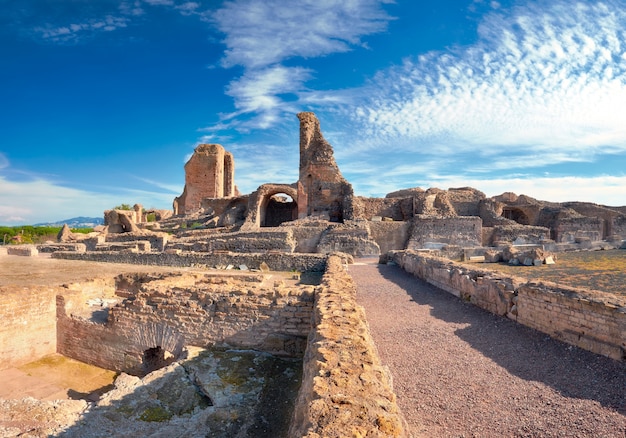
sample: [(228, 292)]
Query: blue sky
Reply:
[(103, 101)]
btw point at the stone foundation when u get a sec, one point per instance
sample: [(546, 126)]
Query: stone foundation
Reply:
[(596, 323), (275, 261)]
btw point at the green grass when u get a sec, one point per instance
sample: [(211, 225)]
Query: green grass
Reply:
[(32, 234)]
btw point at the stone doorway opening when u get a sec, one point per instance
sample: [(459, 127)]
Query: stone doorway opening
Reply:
[(280, 208), (156, 358), (517, 215)]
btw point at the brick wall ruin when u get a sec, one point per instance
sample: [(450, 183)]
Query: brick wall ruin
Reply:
[(26, 319), (322, 190), (594, 322), (209, 173), (171, 311)]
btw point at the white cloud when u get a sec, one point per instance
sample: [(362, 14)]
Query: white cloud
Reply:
[(265, 32), (264, 91), (40, 200), (549, 76), (188, 8), (73, 31), (159, 2), (262, 34)]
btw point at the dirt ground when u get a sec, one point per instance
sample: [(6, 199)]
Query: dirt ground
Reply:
[(44, 270)]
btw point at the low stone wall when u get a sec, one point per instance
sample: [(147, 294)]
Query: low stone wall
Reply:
[(22, 250), (241, 242), (53, 247), (345, 392), (275, 261), (595, 322), (173, 310), (27, 324), (158, 241)]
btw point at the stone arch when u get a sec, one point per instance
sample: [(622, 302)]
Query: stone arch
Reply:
[(278, 206), (158, 345), (155, 358)]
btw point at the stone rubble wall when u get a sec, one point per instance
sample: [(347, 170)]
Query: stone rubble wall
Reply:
[(171, 312), (27, 324), (241, 242), (22, 250), (594, 322), (460, 231), (53, 247), (275, 261), (346, 391), (398, 209)]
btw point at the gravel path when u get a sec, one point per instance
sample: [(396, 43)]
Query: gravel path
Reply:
[(460, 371)]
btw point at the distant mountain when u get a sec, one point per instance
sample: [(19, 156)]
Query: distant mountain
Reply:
[(75, 222)]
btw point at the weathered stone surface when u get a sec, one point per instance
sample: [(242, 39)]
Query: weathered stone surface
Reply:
[(209, 173), (219, 393), (322, 190), (65, 235), (345, 389)]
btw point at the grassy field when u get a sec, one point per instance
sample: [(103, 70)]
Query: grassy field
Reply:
[(597, 270)]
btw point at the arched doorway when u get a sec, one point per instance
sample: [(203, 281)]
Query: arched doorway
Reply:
[(278, 208), (156, 358)]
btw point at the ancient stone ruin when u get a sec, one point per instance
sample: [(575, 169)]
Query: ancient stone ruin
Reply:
[(320, 213), (267, 275)]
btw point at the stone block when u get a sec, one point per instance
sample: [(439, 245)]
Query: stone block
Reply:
[(23, 250)]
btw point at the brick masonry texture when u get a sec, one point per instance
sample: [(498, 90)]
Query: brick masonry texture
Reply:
[(275, 261), (594, 322), (172, 311), (27, 324), (346, 391)]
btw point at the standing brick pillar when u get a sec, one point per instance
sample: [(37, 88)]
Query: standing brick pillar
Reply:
[(209, 173), (322, 190)]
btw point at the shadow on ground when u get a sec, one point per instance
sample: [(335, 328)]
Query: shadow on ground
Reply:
[(573, 372)]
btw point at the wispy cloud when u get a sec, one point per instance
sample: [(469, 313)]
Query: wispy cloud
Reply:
[(265, 32), (74, 30), (548, 76), (260, 35)]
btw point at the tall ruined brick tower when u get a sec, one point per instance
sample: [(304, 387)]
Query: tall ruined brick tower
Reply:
[(209, 173), (322, 190)]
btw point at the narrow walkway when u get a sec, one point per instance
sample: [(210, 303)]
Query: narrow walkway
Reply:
[(460, 371)]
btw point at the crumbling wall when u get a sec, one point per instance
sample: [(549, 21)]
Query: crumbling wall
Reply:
[(242, 242), (390, 235), (466, 200), (345, 391), (398, 209), (275, 261), (459, 231), (322, 190), (27, 324), (594, 322), (574, 229), (171, 311), (260, 199), (209, 173), (514, 233)]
